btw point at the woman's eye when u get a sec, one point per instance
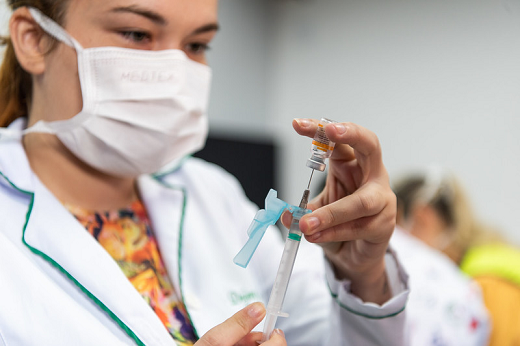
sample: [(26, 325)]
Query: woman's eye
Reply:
[(198, 48), (136, 36)]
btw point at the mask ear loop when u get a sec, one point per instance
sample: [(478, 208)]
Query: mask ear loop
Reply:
[(53, 29), (60, 34)]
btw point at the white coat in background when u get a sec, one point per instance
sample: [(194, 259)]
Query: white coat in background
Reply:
[(445, 308)]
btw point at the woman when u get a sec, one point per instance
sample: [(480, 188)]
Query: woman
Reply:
[(100, 94), (433, 207)]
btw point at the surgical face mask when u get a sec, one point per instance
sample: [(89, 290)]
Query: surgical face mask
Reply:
[(141, 109)]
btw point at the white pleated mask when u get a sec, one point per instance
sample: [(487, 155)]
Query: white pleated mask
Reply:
[(141, 109)]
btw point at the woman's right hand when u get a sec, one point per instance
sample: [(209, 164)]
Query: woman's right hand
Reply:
[(236, 331)]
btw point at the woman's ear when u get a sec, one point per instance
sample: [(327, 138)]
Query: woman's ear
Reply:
[(29, 41)]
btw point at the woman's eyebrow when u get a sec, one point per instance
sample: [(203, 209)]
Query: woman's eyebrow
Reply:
[(153, 16), (206, 28)]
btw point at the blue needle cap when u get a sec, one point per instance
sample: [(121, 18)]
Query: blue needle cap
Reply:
[(274, 207)]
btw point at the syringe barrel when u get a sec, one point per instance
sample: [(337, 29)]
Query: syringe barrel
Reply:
[(274, 306), (284, 274), (270, 322), (321, 148)]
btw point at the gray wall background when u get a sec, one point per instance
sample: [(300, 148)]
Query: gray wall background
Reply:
[(438, 81)]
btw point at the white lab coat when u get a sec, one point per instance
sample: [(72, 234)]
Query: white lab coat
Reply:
[(58, 286), (444, 306)]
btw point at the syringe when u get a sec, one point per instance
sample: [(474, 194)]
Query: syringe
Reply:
[(274, 306), (321, 149)]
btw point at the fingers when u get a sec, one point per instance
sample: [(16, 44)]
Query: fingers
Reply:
[(357, 216), (305, 127), (231, 331), (358, 203), (360, 139), (253, 339), (286, 218), (276, 339)]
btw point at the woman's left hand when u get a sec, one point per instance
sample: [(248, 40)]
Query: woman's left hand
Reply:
[(354, 216)]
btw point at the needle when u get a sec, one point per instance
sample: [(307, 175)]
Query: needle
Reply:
[(309, 185)]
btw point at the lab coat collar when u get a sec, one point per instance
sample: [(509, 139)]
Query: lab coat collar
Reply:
[(166, 205), (52, 233), (13, 161)]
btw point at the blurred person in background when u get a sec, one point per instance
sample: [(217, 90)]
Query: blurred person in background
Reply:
[(433, 207)]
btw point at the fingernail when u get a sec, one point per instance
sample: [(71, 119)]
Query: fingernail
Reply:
[(279, 332), (340, 128), (303, 122), (313, 223), (255, 310)]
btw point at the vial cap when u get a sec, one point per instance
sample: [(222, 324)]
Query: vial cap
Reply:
[(320, 166)]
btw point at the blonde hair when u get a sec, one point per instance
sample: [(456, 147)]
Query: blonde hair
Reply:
[(15, 83), (445, 194)]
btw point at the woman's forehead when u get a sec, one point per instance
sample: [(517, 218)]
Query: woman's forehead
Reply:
[(169, 10)]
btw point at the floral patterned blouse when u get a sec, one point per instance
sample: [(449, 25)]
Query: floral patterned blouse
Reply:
[(127, 236)]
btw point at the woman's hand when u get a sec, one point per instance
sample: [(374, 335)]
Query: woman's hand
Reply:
[(236, 331), (354, 216)]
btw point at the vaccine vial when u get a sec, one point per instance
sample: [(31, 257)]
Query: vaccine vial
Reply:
[(321, 148)]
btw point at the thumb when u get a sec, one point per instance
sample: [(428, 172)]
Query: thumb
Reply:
[(234, 328)]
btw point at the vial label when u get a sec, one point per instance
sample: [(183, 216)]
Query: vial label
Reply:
[(322, 146), (321, 141)]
